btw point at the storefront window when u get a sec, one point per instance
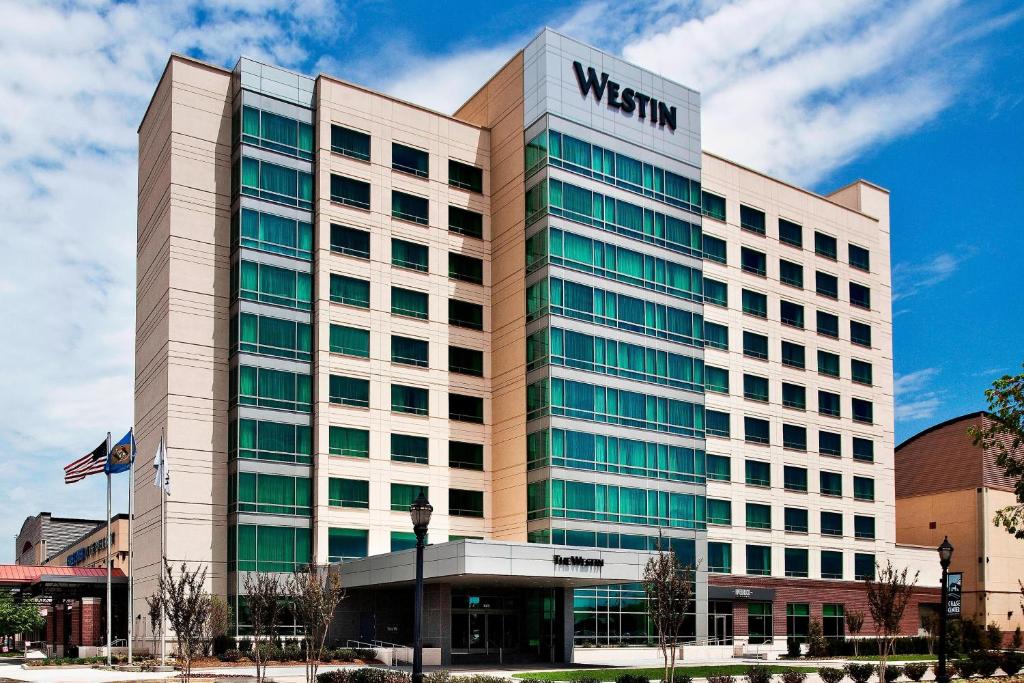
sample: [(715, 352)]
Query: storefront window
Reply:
[(798, 620), (832, 620), (759, 622)]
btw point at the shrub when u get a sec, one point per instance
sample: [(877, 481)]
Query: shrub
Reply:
[(231, 655), (721, 679), (985, 665), (439, 676), (583, 679), (817, 646), (793, 676), (860, 673), (366, 674), (632, 678), (792, 648), (994, 636), (891, 673), (950, 670), (830, 674), (758, 674), (964, 668), (681, 678), (915, 671), (1017, 640), (1011, 663)]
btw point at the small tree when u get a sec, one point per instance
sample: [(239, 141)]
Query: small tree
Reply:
[(188, 608), (854, 624), (217, 624), (888, 596), (263, 595), (18, 617), (153, 609), (315, 593), (669, 587), (817, 646), (931, 631)]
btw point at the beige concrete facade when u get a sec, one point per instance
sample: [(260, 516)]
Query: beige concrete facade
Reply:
[(91, 549)]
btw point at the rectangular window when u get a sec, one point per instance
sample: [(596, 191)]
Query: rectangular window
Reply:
[(716, 423), (462, 503), (755, 345), (828, 403), (863, 411), (465, 408), (719, 557), (796, 520), (267, 388), (860, 296), (274, 234), (409, 448), (719, 512), (755, 303), (863, 526), (826, 285), (863, 567), (465, 268), (831, 524), (274, 183), (791, 314), (408, 207), (402, 495), (825, 245), (350, 391), (716, 292), (465, 361), (791, 273), (753, 261), (350, 341), (860, 371), (714, 249), (274, 441), (863, 488), (831, 484), (410, 160), (716, 336), (718, 467), (831, 564), (347, 544), (828, 364), (536, 202), (759, 614), (755, 388), (716, 379), (403, 540), (752, 219), (410, 351), (410, 303), (465, 314), (268, 548), (759, 516), (465, 176), (465, 222), (350, 241), (348, 493), (275, 132), (790, 233), (755, 430), (465, 456), (350, 192), (758, 473), (350, 143), (410, 255), (794, 396), (833, 620), (759, 563), (793, 355), (272, 285), (860, 258), (796, 565), (863, 449), (349, 441), (828, 324), (795, 478), (794, 437), (830, 443), (411, 400), (860, 333), (269, 494), (712, 205), (350, 291), (269, 336)]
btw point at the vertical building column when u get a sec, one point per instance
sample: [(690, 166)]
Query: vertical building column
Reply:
[(91, 621), (76, 623), (565, 611), (51, 626)]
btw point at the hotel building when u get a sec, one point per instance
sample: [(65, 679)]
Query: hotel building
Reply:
[(580, 334)]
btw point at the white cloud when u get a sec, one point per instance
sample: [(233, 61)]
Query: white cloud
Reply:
[(915, 399), (910, 278)]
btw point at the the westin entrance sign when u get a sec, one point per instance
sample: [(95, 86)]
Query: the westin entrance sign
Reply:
[(627, 100)]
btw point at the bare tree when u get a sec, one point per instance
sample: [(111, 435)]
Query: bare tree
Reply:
[(888, 596), (315, 592), (188, 608), (217, 624), (669, 587), (264, 594), (930, 623), (854, 624)]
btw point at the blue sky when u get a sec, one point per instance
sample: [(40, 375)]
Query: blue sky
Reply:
[(924, 97)]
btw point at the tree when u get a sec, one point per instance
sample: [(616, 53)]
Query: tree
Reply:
[(188, 608), (817, 646), (854, 623), (17, 616), (315, 593), (217, 623), (669, 587), (153, 608), (1003, 432), (888, 596), (931, 630), (263, 594)]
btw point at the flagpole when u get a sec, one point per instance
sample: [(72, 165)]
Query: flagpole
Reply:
[(109, 610), (163, 543), (131, 557)]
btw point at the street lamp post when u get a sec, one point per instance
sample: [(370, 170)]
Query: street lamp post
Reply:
[(420, 511), (945, 555)]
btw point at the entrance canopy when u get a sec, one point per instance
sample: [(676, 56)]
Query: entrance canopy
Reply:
[(501, 563)]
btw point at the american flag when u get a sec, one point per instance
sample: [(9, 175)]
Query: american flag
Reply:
[(90, 463)]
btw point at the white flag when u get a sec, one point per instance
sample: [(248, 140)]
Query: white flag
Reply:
[(162, 474)]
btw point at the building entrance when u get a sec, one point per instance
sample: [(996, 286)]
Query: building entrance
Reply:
[(504, 626)]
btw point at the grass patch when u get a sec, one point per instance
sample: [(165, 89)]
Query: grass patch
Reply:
[(896, 658), (655, 673)]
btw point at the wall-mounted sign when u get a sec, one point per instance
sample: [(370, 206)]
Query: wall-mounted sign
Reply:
[(626, 100), (577, 561), (82, 554), (741, 593), (954, 586)]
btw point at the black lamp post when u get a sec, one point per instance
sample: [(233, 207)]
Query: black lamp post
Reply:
[(420, 511), (945, 555)]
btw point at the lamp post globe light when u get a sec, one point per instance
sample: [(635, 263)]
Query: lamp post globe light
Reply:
[(945, 555), (420, 512)]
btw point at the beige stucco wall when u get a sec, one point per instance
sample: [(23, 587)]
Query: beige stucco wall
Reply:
[(118, 548)]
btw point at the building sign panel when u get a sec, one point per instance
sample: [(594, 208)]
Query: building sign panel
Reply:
[(577, 561), (954, 586)]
